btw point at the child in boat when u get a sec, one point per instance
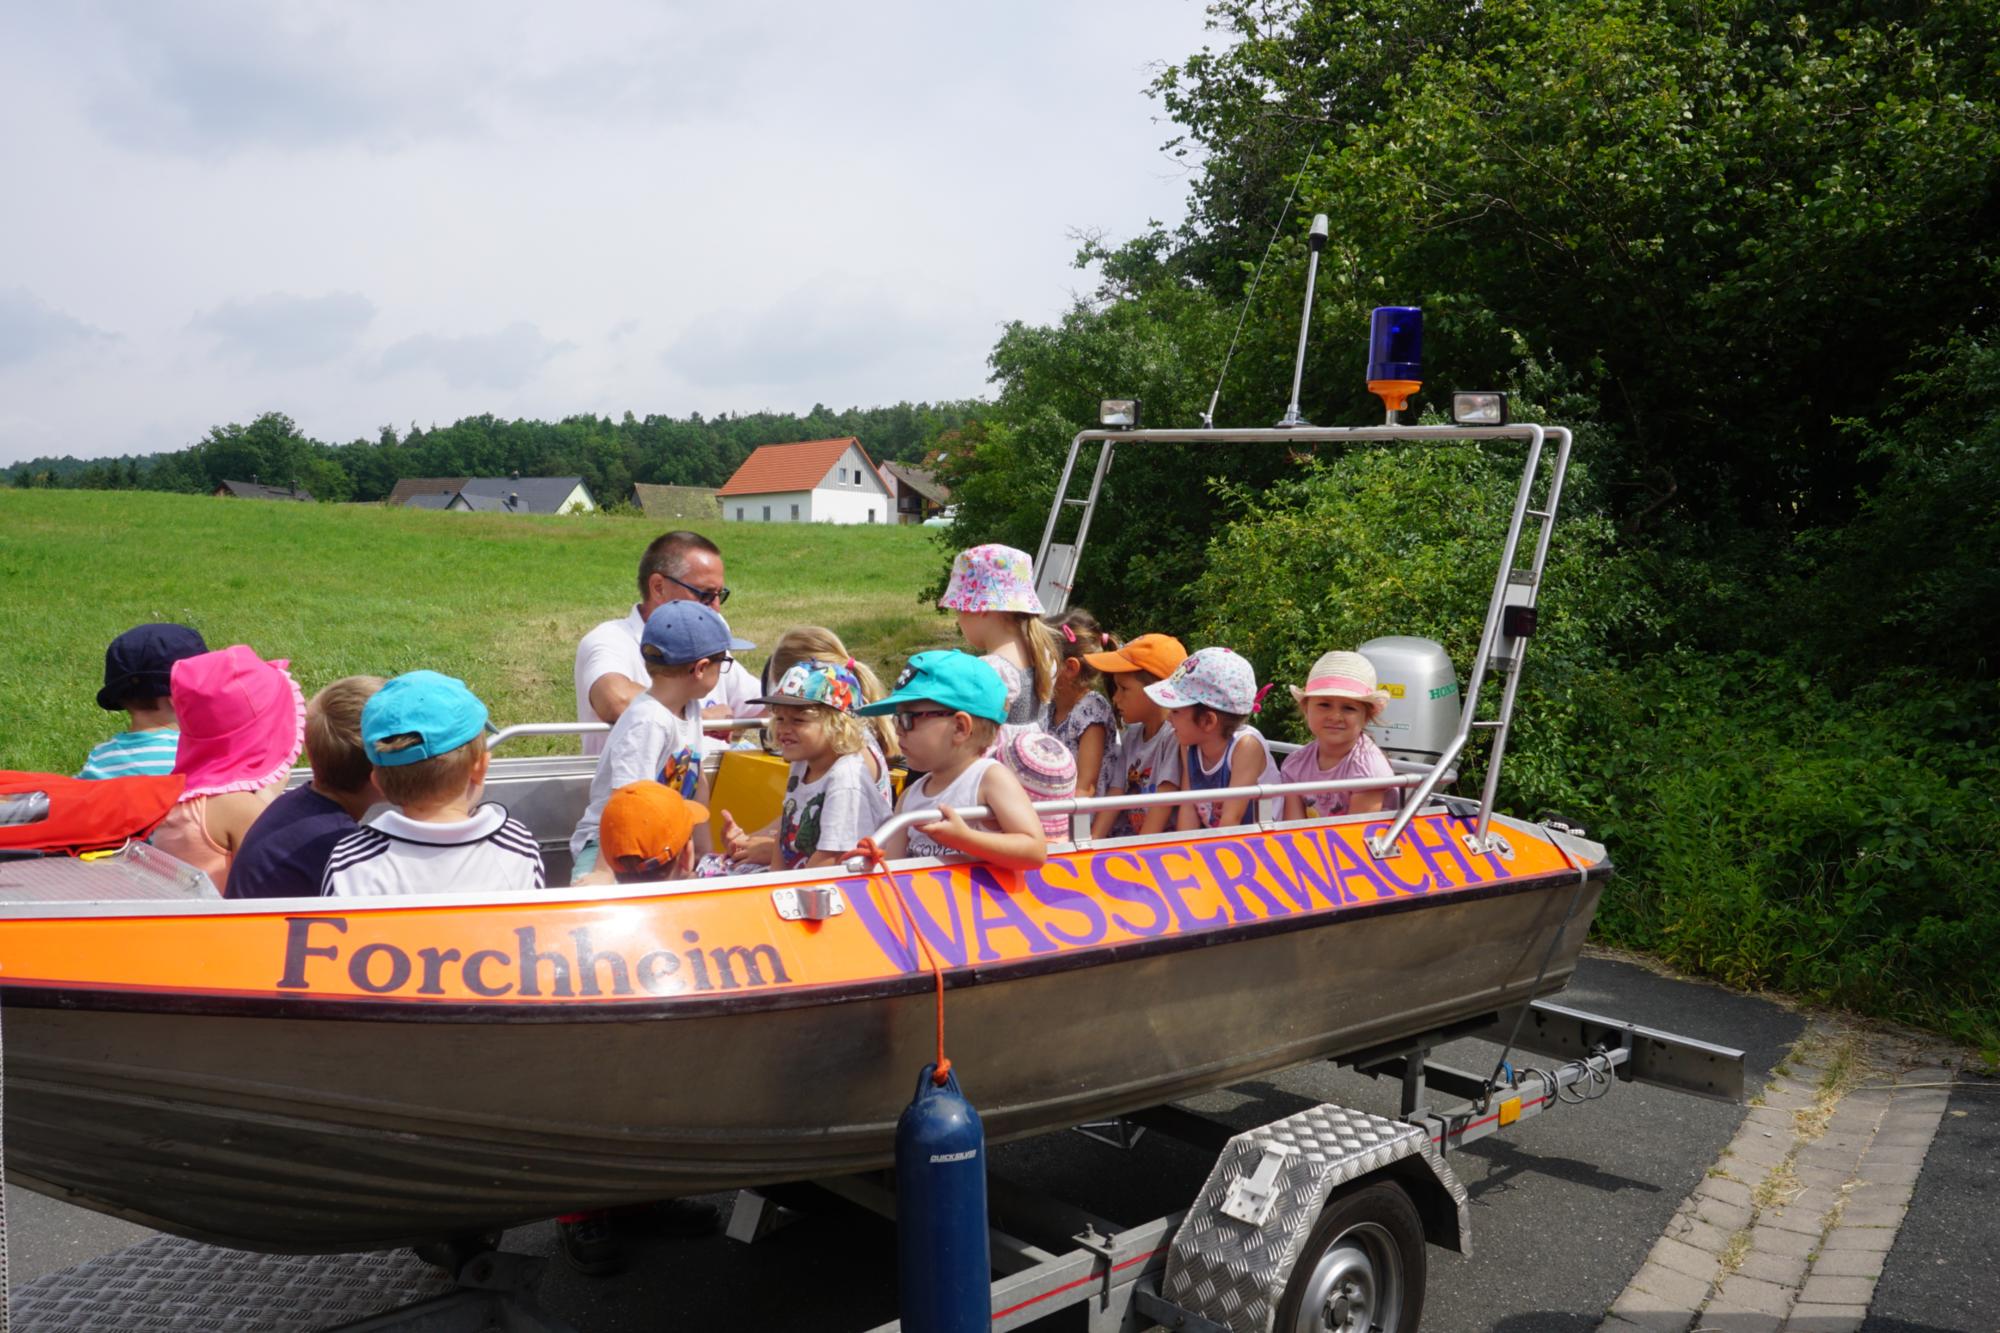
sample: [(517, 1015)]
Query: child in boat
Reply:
[(242, 723), (993, 590), (687, 647), (1148, 753), (647, 833), (1341, 698), (137, 665), (1080, 713), (1046, 771), (1209, 699), (425, 735), (832, 799), (284, 854), (948, 707), (816, 643)]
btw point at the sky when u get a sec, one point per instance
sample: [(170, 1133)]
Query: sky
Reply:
[(366, 213)]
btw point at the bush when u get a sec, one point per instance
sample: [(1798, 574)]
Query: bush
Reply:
[(1769, 835), (1768, 831)]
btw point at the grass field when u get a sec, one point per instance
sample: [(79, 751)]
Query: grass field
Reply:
[(499, 600)]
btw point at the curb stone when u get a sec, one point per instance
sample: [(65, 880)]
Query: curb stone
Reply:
[(1789, 1230)]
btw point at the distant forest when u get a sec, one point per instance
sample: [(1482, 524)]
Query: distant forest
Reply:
[(609, 455)]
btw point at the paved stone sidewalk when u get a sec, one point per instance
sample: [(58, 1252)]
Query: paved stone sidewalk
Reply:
[(1790, 1228)]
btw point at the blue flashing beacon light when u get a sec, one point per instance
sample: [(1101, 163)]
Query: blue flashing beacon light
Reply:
[(1395, 354)]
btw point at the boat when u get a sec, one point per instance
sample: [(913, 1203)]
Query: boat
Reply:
[(336, 1075), (325, 1078)]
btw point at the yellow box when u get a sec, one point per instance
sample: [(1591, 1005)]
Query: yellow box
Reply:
[(1510, 1110), (749, 785)]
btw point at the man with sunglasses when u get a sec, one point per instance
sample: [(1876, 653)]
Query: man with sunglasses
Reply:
[(611, 672)]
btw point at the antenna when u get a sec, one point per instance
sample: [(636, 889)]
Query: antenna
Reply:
[(1316, 242)]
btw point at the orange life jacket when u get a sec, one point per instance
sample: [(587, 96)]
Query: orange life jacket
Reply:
[(85, 815)]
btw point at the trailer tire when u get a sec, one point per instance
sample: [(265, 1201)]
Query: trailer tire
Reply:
[(1362, 1267)]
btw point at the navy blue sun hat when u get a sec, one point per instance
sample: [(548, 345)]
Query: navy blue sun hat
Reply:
[(139, 663)]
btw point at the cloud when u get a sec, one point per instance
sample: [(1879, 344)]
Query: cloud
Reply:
[(30, 327), (833, 329), (207, 77), (504, 360), (281, 332)]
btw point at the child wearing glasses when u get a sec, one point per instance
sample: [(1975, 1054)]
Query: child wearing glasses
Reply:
[(949, 707), (657, 738)]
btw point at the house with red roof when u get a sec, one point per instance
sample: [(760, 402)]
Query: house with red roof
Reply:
[(812, 481)]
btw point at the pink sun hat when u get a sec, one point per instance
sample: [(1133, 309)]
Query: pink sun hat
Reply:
[(242, 721), (1342, 676), (992, 578), (1046, 769)]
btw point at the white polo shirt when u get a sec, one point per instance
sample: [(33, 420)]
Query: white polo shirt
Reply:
[(613, 647)]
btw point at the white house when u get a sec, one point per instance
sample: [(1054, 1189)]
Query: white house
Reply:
[(814, 481)]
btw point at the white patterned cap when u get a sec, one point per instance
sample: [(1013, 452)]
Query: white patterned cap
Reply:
[(1215, 677)]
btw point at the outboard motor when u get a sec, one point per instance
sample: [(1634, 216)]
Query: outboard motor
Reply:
[(944, 1268), (1422, 715)]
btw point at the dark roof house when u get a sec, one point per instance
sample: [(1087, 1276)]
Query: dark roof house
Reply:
[(251, 490), (916, 491), (676, 502), (495, 495), (409, 487)]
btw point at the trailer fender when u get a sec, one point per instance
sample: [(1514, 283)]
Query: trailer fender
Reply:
[(1233, 1254)]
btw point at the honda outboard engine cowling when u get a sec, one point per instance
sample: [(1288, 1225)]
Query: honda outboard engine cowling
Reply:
[(1422, 685)]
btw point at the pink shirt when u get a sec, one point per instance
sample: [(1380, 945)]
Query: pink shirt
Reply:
[(1365, 760)]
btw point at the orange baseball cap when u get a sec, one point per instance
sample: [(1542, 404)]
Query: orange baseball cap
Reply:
[(647, 821), (1157, 654)]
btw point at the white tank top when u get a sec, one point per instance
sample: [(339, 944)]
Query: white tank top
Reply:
[(960, 795)]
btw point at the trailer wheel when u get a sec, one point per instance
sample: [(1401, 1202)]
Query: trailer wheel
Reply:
[(1362, 1268)]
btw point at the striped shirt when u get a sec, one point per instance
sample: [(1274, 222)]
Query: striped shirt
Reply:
[(132, 754), (393, 854)]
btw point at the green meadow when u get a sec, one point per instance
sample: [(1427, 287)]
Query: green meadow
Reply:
[(499, 600)]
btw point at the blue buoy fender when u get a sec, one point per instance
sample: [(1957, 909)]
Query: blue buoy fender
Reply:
[(944, 1271)]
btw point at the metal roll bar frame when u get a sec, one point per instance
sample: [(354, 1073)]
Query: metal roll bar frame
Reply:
[(1483, 658)]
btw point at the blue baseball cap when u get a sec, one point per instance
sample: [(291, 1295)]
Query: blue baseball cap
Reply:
[(683, 632), (139, 663), (954, 680), (420, 715)]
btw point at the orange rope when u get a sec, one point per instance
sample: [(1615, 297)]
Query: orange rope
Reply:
[(867, 848)]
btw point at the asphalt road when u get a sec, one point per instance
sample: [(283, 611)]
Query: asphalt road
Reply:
[(1941, 1277), (1564, 1207)]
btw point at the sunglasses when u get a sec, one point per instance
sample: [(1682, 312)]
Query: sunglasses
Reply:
[(706, 596), (908, 718)]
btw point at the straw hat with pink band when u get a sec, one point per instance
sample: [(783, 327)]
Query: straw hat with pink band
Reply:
[(1343, 676), (992, 578), (242, 721)]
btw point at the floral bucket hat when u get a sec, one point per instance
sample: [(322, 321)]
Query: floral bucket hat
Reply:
[(992, 578), (827, 684), (1215, 677)]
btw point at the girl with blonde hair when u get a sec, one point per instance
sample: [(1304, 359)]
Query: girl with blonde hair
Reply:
[(993, 590)]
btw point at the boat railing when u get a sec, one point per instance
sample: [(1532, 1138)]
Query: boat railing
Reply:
[(1084, 805), (522, 730)]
